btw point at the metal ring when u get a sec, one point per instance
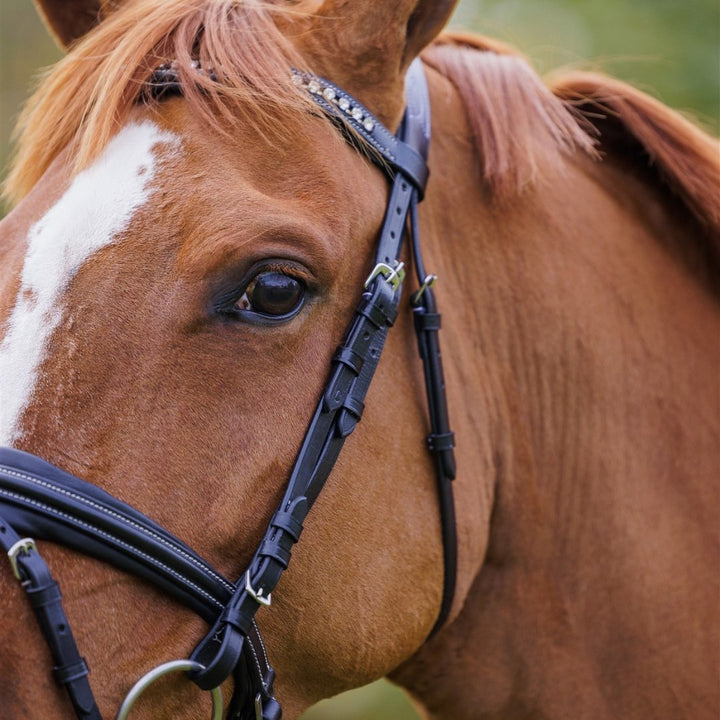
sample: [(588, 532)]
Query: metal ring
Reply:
[(165, 669)]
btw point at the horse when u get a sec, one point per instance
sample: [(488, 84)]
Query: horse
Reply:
[(178, 270)]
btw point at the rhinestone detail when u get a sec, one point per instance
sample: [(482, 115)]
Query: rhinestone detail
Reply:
[(314, 86)]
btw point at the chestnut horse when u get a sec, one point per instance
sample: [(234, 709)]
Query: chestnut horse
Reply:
[(574, 230)]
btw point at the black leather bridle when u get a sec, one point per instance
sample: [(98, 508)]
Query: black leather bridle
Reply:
[(41, 500)]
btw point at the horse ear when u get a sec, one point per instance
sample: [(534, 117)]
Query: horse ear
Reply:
[(426, 21), (388, 31), (366, 46), (69, 20)]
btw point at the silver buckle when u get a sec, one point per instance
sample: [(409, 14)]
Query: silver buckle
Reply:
[(24, 546), (393, 274), (257, 595), (429, 281)]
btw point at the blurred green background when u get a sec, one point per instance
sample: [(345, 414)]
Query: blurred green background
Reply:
[(666, 47), (669, 48)]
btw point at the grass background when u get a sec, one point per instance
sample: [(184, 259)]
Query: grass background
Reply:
[(666, 47)]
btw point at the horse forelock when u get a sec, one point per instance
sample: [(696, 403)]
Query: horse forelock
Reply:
[(83, 101), (520, 128)]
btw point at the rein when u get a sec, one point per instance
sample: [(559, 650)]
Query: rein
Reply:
[(39, 499)]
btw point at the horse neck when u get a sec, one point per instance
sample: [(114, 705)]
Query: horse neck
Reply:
[(587, 459)]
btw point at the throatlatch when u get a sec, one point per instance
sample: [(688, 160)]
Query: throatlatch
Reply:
[(41, 500)]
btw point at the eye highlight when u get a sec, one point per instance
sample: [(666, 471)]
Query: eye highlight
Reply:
[(272, 294), (269, 292)]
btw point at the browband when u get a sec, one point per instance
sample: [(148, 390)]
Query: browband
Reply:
[(39, 499)]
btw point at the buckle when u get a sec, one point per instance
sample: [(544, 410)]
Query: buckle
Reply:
[(394, 274), (24, 546), (257, 595), (429, 281)]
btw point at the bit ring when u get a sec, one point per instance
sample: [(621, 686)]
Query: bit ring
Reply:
[(160, 671)]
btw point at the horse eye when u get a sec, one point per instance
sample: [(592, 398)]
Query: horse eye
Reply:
[(272, 294)]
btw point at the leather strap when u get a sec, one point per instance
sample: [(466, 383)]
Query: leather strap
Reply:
[(441, 439), (40, 499), (43, 592), (254, 679), (406, 155), (335, 418), (354, 365), (43, 501)]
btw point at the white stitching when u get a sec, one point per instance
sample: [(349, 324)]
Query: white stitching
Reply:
[(149, 533), (262, 644), (257, 664), (133, 550), (140, 553)]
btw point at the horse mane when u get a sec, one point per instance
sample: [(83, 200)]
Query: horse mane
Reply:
[(88, 95), (521, 130), (682, 158), (522, 127)]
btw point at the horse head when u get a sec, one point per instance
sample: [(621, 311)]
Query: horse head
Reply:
[(177, 284)]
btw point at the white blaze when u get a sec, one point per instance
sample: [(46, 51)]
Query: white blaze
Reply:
[(97, 207)]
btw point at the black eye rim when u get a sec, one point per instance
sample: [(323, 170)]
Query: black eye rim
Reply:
[(226, 304)]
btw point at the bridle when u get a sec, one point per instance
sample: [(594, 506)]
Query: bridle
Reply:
[(39, 499)]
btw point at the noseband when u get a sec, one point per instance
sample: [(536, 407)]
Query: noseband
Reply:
[(41, 500)]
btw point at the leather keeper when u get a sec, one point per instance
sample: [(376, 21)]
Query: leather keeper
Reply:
[(44, 596), (69, 673), (274, 549), (288, 523), (440, 442), (354, 406), (348, 357), (425, 321), (375, 312)]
